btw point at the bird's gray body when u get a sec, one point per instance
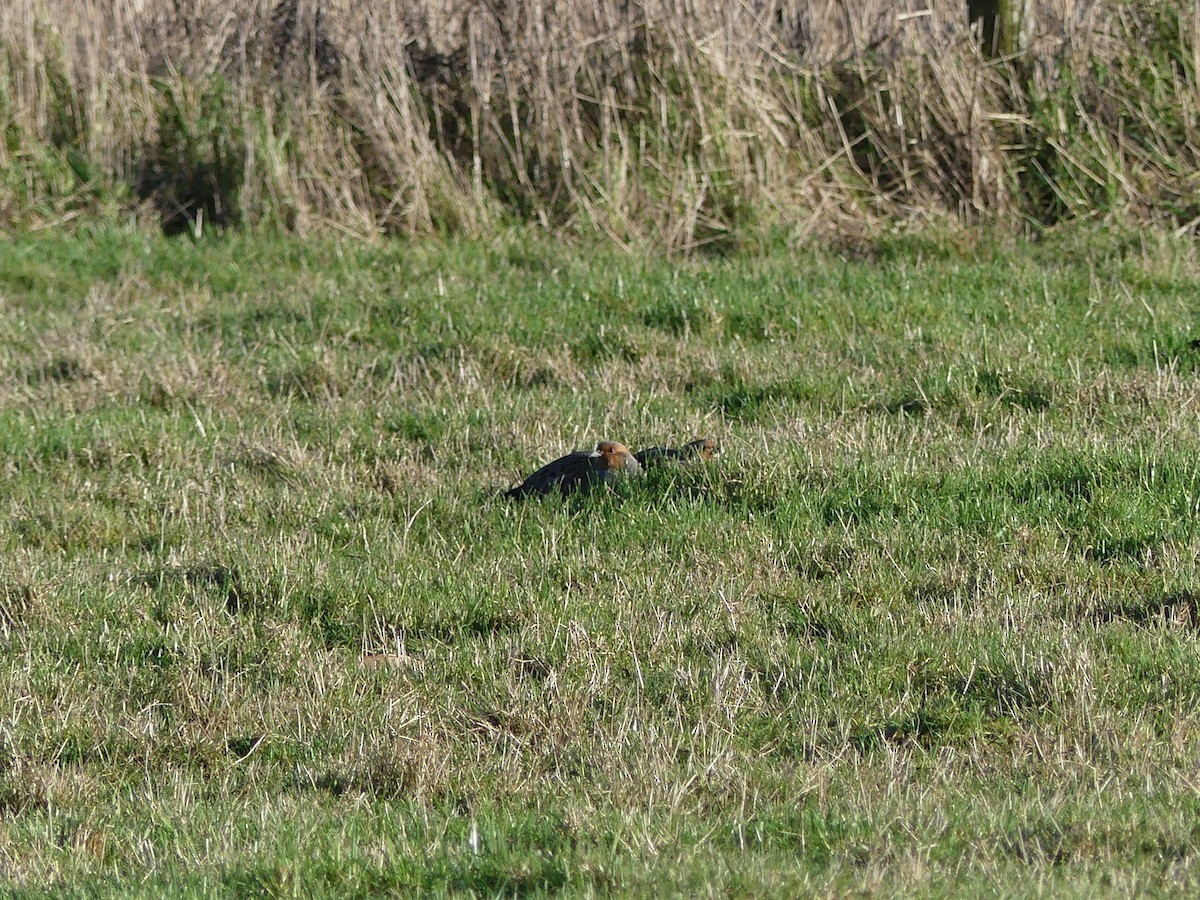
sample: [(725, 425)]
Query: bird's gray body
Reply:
[(580, 471), (701, 448)]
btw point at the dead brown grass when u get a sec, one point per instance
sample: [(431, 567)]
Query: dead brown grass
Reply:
[(668, 122)]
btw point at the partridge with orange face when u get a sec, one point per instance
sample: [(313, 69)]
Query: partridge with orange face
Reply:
[(701, 448), (580, 471)]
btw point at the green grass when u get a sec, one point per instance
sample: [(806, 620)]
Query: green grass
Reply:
[(930, 625)]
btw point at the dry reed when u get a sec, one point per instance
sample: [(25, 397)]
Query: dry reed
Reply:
[(674, 123)]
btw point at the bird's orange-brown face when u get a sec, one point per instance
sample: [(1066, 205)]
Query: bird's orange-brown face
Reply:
[(706, 448), (612, 455)]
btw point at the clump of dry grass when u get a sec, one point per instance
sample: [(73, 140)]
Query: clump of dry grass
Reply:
[(659, 121)]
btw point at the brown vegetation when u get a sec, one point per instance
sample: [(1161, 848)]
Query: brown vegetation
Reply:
[(676, 122)]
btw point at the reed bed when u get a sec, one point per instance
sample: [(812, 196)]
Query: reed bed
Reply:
[(680, 124)]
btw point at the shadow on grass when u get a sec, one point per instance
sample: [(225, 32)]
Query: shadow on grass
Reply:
[(956, 708), (807, 830), (384, 778), (1046, 841), (1126, 548), (926, 727), (822, 622), (522, 856), (1179, 351), (1025, 394), (337, 624), (22, 796), (225, 580), (1069, 477), (1176, 607), (742, 400), (62, 369), (18, 605)]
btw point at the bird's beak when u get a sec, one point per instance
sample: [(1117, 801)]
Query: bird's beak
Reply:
[(595, 454)]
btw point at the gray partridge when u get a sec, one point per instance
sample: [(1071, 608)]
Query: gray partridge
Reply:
[(701, 448), (580, 471)]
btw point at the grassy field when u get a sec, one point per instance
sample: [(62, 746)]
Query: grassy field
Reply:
[(929, 625)]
